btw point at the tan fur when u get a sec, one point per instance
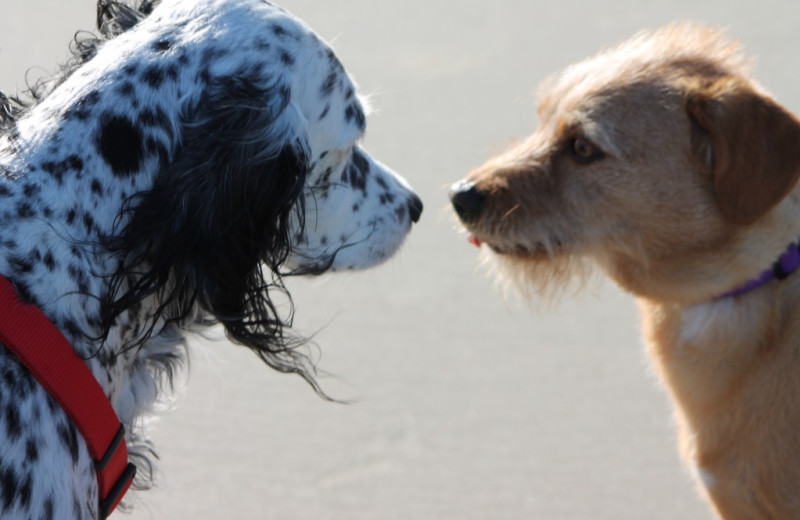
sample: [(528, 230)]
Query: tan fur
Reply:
[(695, 195)]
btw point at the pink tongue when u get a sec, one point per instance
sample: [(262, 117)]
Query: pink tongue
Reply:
[(475, 241)]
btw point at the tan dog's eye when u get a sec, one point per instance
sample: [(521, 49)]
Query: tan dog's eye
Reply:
[(583, 151)]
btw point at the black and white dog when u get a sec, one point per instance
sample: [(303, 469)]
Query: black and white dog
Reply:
[(188, 159)]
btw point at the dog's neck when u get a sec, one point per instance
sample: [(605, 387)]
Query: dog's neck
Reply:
[(785, 266)]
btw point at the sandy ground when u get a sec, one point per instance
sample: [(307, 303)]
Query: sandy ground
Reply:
[(468, 407)]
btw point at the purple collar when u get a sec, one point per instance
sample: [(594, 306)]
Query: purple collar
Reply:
[(788, 263)]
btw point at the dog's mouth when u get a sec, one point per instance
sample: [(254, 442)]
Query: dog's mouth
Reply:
[(536, 251)]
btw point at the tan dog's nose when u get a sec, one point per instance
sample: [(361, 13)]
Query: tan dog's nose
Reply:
[(467, 200)]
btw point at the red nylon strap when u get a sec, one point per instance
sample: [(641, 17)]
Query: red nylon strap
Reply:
[(46, 353)]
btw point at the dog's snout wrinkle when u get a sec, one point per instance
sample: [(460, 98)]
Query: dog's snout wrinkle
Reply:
[(468, 201)]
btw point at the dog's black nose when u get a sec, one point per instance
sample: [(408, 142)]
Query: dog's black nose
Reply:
[(415, 208), (467, 201)]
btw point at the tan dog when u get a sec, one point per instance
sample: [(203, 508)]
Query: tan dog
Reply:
[(665, 164)]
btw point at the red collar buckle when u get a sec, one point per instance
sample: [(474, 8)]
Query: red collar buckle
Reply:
[(109, 476)]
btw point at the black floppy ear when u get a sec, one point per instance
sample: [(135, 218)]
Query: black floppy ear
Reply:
[(220, 209)]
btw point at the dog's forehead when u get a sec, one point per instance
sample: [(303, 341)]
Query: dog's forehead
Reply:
[(659, 57), (606, 96)]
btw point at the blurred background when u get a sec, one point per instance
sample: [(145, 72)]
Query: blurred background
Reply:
[(467, 405)]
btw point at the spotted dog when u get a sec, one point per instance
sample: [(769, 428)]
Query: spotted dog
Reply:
[(183, 163)]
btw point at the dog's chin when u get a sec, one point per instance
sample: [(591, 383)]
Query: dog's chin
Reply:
[(328, 264), (353, 257), (533, 251), (534, 270)]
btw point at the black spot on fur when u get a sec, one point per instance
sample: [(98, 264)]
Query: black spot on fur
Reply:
[(359, 171), (49, 261), (31, 451), (70, 328), (126, 89), (97, 188), (57, 169), (48, 509), (82, 109), (325, 112), (75, 163), (355, 178), (25, 210), (9, 486), (401, 213), (334, 61), (13, 423), (52, 405), (20, 265), (120, 144), (330, 84), (353, 113), (154, 76), (162, 45), (286, 58), (71, 216), (9, 379), (88, 222), (25, 492), (279, 31), (31, 190), (69, 438), (157, 148), (154, 117), (172, 72), (24, 292), (91, 99)]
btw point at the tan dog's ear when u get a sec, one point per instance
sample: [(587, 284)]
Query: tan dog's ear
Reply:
[(755, 148)]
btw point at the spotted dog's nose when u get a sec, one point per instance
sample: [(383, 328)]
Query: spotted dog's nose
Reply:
[(415, 208), (467, 201)]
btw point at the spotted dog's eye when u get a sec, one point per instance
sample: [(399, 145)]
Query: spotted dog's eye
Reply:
[(583, 151)]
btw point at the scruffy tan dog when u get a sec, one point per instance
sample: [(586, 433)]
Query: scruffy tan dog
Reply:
[(662, 162)]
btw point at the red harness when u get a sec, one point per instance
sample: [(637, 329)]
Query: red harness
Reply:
[(46, 353)]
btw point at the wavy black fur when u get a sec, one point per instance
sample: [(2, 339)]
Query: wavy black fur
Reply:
[(214, 230), (221, 193)]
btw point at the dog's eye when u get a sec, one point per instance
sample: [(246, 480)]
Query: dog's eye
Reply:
[(583, 151)]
